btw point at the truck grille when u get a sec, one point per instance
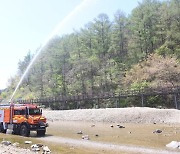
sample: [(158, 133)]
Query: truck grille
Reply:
[(37, 121)]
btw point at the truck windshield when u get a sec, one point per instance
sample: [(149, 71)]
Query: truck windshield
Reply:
[(35, 112)]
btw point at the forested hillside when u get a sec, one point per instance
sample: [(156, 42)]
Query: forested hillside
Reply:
[(136, 51)]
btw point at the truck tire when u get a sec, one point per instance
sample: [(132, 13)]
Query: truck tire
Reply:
[(2, 130), (24, 130), (41, 132), (16, 130)]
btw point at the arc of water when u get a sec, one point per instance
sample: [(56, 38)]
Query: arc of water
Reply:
[(78, 8)]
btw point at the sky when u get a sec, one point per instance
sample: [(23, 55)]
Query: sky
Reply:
[(26, 24)]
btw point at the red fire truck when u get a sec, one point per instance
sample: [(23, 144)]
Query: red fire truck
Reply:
[(22, 118)]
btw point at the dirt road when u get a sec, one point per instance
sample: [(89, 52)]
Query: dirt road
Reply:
[(113, 148)]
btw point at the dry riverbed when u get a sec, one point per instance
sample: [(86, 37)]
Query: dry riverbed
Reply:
[(67, 128), (132, 134), (139, 123)]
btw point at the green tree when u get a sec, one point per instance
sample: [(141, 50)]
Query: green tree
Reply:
[(144, 20)]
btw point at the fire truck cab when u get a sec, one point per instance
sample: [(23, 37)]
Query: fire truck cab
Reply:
[(22, 118)]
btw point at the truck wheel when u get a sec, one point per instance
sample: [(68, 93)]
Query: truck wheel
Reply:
[(2, 130), (41, 132), (24, 131), (16, 130)]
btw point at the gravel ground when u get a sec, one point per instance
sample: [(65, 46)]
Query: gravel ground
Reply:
[(13, 150), (113, 148), (116, 115)]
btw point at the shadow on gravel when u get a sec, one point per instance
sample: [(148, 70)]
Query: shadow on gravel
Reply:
[(34, 135)]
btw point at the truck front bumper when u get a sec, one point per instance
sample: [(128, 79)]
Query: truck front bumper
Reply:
[(39, 126)]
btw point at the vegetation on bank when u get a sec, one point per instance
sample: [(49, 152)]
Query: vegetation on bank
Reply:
[(137, 51)]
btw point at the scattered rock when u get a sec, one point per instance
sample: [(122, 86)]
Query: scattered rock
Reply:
[(121, 126), (173, 144), (40, 145), (28, 142), (35, 147), (111, 126), (154, 123), (46, 150), (85, 137), (16, 144), (7, 143), (72, 148), (80, 132), (157, 131), (93, 125), (129, 132), (96, 135)]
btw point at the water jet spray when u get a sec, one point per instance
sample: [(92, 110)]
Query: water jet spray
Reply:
[(78, 8)]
